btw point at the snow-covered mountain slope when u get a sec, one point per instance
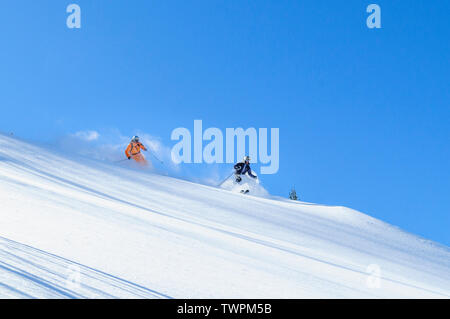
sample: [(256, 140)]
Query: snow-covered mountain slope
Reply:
[(82, 228)]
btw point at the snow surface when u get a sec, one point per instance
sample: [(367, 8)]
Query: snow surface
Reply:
[(78, 228)]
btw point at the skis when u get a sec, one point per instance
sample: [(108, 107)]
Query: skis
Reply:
[(245, 191)]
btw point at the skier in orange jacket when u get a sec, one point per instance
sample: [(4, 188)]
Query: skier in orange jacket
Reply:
[(134, 151)]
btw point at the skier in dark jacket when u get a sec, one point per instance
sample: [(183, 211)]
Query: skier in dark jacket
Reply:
[(242, 168)]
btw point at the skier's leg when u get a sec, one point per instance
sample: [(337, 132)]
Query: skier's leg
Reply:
[(238, 178), (140, 159)]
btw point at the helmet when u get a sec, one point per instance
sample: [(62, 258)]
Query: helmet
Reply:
[(246, 158), (135, 139)]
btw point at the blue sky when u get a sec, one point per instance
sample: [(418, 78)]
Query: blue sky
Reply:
[(363, 114)]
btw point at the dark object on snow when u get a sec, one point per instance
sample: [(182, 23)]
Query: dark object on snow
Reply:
[(293, 194)]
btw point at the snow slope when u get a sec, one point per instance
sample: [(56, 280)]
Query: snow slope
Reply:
[(79, 228)]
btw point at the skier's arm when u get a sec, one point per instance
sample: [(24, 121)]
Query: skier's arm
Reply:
[(238, 167), (247, 170), (127, 151), (143, 147), (251, 174)]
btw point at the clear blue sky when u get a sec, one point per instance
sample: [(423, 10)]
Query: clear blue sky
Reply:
[(363, 114)]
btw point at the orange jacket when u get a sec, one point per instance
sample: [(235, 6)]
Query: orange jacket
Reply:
[(134, 148)]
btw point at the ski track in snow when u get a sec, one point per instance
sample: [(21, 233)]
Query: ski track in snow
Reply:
[(27, 272), (134, 234)]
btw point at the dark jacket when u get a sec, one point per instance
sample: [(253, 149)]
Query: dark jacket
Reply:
[(242, 168)]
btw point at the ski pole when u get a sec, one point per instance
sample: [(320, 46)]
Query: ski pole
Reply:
[(151, 153), (225, 179)]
